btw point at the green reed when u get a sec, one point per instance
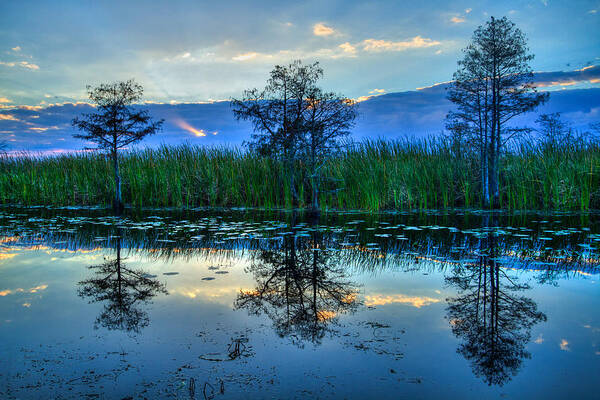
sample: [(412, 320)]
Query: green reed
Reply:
[(372, 175)]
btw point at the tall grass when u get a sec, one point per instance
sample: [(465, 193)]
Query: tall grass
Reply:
[(372, 175)]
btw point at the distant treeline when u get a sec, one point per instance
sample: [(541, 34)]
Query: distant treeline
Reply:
[(373, 175)]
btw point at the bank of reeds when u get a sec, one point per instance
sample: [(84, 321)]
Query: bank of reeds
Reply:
[(373, 175)]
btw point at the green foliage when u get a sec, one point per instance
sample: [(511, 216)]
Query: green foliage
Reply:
[(373, 175)]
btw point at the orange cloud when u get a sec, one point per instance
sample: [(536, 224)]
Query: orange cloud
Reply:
[(8, 117), (321, 29), (245, 56), (415, 301), (24, 64), (6, 292), (185, 126), (348, 48)]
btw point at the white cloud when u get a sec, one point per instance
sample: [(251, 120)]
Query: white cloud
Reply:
[(23, 64), (348, 48), (16, 48), (321, 29), (245, 56), (375, 45), (539, 339), (457, 20), (468, 10)]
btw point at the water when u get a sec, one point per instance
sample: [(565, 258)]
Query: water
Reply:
[(246, 304)]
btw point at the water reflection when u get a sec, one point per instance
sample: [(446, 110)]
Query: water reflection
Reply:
[(493, 321), (307, 278), (302, 287), (124, 291)]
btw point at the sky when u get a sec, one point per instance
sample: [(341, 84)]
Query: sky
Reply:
[(195, 55)]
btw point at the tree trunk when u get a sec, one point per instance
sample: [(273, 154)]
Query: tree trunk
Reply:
[(117, 204), (496, 187), (315, 195), (295, 201), (493, 175), (314, 183)]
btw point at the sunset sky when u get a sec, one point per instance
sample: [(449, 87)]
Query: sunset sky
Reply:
[(198, 52)]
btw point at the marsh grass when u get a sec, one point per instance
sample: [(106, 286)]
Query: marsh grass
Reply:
[(372, 175)]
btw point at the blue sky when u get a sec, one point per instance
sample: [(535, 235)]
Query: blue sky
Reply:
[(197, 52)]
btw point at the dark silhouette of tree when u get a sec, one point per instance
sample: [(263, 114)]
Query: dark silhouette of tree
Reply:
[(277, 112), (493, 84), (328, 118), (116, 123), (301, 288), (124, 290), (492, 320), (554, 130), (595, 130)]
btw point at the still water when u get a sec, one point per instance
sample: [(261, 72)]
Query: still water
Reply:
[(222, 304)]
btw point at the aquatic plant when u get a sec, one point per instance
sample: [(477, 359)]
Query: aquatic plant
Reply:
[(370, 175)]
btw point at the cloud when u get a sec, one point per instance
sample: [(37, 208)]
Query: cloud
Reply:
[(24, 64), (590, 74), (8, 117), (245, 56), (457, 20), (348, 48), (415, 301), (416, 113), (36, 289), (468, 10), (564, 345), (187, 127), (321, 29), (16, 49), (539, 339), (4, 100), (42, 128), (376, 45)]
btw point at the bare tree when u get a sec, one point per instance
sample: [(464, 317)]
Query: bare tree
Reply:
[(328, 118), (494, 84), (277, 112), (595, 131), (553, 129), (117, 123)]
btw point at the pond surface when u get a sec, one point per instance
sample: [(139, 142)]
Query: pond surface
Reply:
[(222, 304)]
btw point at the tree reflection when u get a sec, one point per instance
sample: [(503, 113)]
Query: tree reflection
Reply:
[(124, 290), (490, 317), (300, 287)]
